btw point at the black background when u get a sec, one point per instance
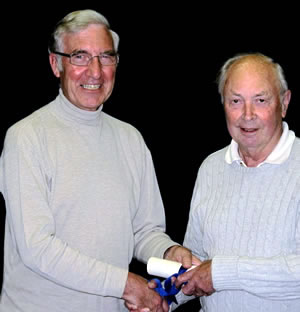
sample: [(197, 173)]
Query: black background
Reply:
[(165, 85)]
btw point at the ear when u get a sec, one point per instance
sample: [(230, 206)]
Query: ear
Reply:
[(54, 64), (285, 102)]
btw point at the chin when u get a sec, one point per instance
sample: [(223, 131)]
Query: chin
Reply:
[(91, 105)]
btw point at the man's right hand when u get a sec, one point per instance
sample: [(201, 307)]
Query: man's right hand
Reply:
[(140, 298)]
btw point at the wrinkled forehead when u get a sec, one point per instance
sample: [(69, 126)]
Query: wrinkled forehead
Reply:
[(93, 35)]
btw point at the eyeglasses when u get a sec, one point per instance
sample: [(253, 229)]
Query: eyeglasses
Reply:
[(84, 58)]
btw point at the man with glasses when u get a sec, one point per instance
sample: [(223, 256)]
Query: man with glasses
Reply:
[(80, 189)]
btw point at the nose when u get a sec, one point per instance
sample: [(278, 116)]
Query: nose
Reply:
[(95, 68), (249, 111)]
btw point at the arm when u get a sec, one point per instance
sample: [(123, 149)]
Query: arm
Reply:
[(32, 225), (149, 221), (275, 278), (192, 241)]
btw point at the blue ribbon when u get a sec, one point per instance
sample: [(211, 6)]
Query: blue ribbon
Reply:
[(168, 291)]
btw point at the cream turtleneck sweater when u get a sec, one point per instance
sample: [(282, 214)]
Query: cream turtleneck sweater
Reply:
[(82, 199)]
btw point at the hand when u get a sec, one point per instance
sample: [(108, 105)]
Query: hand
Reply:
[(182, 255), (199, 280), (140, 298)]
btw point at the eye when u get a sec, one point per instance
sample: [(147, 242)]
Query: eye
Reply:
[(235, 101), (109, 58), (261, 101), (105, 55), (80, 56)]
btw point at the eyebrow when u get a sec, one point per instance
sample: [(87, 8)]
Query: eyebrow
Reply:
[(110, 52), (234, 93), (79, 51), (262, 93)]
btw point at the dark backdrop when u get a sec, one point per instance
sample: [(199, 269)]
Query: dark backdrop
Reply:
[(165, 86)]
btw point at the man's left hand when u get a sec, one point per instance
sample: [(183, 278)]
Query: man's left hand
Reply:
[(199, 280), (182, 255)]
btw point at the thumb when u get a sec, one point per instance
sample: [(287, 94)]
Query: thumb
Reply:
[(152, 284)]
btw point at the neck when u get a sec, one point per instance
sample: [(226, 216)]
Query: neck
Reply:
[(252, 157)]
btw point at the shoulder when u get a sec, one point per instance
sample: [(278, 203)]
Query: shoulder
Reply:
[(119, 124), (295, 153), (127, 139), (211, 163), (296, 143), (27, 127), (123, 130), (216, 157)]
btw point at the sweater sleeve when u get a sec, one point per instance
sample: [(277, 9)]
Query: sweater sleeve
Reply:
[(149, 220), (32, 226), (274, 278), (194, 233)]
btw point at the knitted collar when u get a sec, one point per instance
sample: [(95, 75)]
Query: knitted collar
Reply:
[(279, 154)]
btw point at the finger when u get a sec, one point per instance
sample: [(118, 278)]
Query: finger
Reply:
[(186, 259), (189, 288), (178, 283), (200, 293), (130, 306), (182, 278), (187, 291), (152, 284), (195, 260), (173, 280), (165, 306)]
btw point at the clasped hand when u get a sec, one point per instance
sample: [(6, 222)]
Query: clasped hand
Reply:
[(140, 296), (198, 280)]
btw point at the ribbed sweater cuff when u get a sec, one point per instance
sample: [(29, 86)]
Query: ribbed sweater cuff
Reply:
[(115, 283), (225, 272), (154, 247)]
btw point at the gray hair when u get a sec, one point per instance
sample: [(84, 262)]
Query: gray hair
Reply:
[(75, 22), (223, 74)]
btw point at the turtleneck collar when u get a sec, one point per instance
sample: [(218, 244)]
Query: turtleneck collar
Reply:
[(69, 111)]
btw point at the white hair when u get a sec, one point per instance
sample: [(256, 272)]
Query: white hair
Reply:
[(75, 22), (223, 75)]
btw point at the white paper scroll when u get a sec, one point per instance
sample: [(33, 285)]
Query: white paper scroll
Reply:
[(162, 268)]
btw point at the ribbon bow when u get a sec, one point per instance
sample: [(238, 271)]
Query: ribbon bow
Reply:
[(169, 290)]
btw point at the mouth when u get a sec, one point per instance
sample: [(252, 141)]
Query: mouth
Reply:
[(249, 130), (91, 86)]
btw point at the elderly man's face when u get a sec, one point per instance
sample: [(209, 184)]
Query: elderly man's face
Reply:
[(87, 87), (252, 107)]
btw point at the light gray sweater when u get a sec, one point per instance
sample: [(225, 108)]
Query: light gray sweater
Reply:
[(82, 199), (248, 221)]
